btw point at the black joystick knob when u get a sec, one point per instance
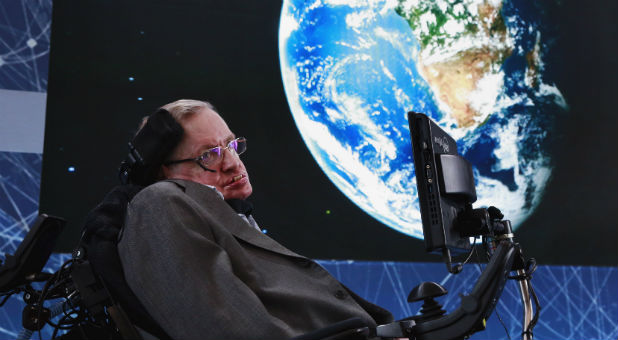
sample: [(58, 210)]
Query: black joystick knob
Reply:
[(426, 291)]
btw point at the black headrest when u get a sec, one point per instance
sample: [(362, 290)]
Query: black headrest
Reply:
[(100, 242), (149, 148)]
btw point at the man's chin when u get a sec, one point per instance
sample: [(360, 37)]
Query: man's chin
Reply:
[(238, 194)]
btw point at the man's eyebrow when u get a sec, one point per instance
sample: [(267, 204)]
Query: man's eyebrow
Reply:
[(230, 137), (227, 139)]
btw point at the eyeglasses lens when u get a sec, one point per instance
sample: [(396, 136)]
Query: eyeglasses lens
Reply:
[(238, 146), (211, 155)]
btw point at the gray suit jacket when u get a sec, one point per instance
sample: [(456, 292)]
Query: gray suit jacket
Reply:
[(203, 272)]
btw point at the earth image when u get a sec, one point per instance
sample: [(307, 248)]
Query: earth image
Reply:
[(482, 69)]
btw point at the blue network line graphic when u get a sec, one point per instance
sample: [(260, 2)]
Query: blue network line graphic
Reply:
[(24, 44), (24, 58), (20, 177), (578, 302)]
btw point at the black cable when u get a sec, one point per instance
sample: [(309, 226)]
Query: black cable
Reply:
[(488, 255), (73, 322), (508, 335), (486, 246), (7, 295), (67, 315), (531, 263), (473, 250), (478, 256), (54, 333), (53, 280), (529, 268), (58, 289), (537, 311), (44, 292)]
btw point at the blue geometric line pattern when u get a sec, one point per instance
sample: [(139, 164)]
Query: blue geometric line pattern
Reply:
[(20, 178), (25, 28), (577, 302), (24, 58)]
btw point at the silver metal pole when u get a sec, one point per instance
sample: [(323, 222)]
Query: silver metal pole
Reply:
[(526, 303)]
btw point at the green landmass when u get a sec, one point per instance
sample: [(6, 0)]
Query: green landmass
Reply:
[(434, 34), (456, 77)]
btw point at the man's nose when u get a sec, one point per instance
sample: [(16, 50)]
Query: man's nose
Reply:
[(230, 160)]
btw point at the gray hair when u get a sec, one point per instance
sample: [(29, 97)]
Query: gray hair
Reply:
[(182, 109)]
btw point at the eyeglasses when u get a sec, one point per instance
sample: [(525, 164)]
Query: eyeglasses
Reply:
[(214, 155)]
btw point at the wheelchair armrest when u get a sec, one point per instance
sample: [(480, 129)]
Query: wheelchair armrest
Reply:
[(353, 328)]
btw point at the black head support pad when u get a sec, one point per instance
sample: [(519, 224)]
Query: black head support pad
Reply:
[(149, 148)]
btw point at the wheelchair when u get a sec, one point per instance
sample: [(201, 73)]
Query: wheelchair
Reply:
[(95, 301)]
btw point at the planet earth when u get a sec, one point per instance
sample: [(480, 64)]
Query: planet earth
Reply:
[(482, 69)]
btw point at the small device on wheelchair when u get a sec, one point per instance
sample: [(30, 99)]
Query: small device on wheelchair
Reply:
[(26, 264)]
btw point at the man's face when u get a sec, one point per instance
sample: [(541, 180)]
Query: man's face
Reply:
[(203, 131)]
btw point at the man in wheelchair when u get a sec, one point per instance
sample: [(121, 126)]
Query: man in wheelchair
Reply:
[(175, 252), (202, 269)]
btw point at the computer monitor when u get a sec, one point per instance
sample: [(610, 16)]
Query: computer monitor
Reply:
[(445, 183)]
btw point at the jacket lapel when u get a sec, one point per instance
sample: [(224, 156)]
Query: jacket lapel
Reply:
[(224, 214)]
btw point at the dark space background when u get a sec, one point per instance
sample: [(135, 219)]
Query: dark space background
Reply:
[(226, 52)]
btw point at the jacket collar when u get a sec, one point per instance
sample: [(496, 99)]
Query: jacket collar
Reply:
[(223, 213)]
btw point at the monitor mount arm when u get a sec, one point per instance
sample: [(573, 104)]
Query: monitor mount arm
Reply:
[(476, 307), (489, 223)]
